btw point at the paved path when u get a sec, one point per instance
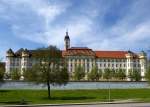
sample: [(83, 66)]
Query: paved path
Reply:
[(108, 105)]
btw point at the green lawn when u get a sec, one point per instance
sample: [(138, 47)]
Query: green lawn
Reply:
[(71, 96)]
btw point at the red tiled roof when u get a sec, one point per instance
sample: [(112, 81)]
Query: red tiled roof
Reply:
[(111, 54), (78, 51), (99, 54)]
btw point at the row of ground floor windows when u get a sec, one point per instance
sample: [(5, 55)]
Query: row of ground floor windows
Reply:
[(105, 65)]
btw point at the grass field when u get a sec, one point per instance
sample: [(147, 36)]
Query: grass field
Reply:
[(71, 96)]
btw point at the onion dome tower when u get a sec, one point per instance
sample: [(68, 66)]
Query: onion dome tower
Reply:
[(67, 41)]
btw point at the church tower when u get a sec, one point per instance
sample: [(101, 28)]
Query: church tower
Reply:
[(67, 41)]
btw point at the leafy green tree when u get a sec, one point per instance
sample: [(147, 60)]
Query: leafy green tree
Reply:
[(29, 74), (130, 75), (7, 75), (100, 73), (2, 71), (94, 75), (120, 74), (107, 74), (15, 74), (147, 73), (135, 75), (49, 70), (113, 73), (138, 76), (79, 73)]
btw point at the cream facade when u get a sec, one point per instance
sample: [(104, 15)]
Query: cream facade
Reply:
[(83, 56)]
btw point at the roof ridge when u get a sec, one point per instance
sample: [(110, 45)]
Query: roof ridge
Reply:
[(108, 51)]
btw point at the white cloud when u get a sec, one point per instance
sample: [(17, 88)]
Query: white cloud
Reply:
[(130, 32), (31, 13), (78, 26), (85, 27)]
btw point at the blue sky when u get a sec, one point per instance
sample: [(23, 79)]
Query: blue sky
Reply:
[(97, 24)]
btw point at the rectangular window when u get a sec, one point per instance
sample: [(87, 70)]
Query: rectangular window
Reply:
[(87, 60), (87, 64), (138, 65), (99, 60), (134, 65), (114, 60), (87, 69), (70, 60)]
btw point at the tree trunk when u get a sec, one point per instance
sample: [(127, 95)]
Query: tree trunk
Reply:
[(48, 86)]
